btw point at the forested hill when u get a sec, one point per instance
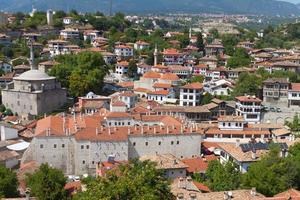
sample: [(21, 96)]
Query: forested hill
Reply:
[(265, 7)]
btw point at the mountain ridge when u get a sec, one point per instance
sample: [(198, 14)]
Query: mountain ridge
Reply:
[(264, 7)]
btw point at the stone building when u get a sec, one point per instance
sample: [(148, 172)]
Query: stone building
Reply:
[(33, 93), (76, 144)]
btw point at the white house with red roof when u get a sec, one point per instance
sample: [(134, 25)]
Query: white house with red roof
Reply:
[(123, 51), (172, 57), (249, 107), (294, 95), (90, 35), (69, 33), (122, 68), (190, 94), (141, 45)]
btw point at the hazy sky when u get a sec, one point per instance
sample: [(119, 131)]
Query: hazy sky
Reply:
[(293, 1)]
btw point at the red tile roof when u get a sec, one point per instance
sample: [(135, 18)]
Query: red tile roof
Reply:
[(295, 87), (170, 77), (159, 92), (151, 74), (162, 85), (194, 86), (201, 187), (198, 165), (248, 99)]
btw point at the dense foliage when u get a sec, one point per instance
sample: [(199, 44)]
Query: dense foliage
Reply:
[(47, 183), (222, 177), (81, 73), (136, 180), (8, 183)]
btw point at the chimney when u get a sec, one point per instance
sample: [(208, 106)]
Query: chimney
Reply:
[(237, 143), (142, 130), (97, 131), (253, 154), (181, 183), (27, 194), (253, 191), (154, 130), (109, 131), (168, 131), (189, 183)]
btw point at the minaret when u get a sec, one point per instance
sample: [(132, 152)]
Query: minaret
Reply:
[(31, 60), (155, 55), (190, 33)]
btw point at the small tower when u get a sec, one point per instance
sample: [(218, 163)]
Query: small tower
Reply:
[(50, 17), (155, 55), (31, 60), (190, 33)]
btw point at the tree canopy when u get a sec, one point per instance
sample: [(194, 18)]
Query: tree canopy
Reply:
[(240, 58), (47, 183), (8, 183), (133, 181), (81, 73), (222, 177)]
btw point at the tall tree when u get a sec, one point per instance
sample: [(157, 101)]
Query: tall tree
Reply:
[(222, 177), (47, 183), (200, 43), (81, 73), (8, 183), (247, 84), (272, 175), (132, 69), (136, 180)]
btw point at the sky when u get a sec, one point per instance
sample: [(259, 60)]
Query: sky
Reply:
[(293, 1)]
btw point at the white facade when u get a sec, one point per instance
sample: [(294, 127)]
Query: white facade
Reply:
[(190, 97), (81, 156), (123, 51), (68, 20), (68, 34), (5, 67), (8, 133), (251, 111)]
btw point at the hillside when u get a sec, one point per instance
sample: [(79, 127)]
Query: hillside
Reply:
[(266, 7)]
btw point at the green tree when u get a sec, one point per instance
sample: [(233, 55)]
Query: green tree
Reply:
[(206, 98), (8, 112), (81, 73), (8, 183), (2, 108), (272, 175), (222, 177), (47, 183), (136, 180), (132, 69), (198, 79), (240, 58), (200, 43), (247, 84), (294, 125)]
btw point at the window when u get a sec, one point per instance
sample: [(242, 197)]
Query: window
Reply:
[(184, 96), (133, 143), (87, 146), (177, 142), (93, 162), (41, 146), (223, 124), (172, 142), (83, 162), (63, 145), (128, 123), (159, 143), (54, 146), (146, 143), (229, 124), (82, 147)]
